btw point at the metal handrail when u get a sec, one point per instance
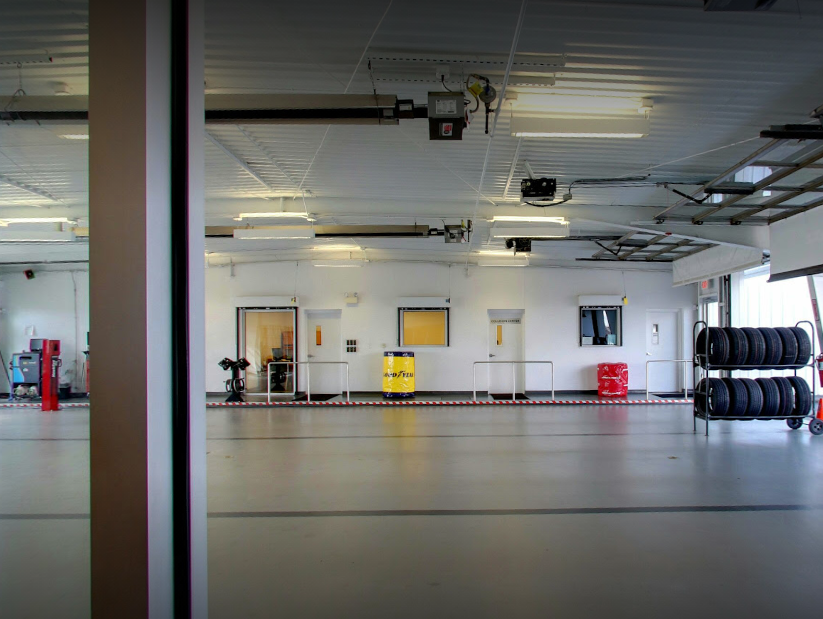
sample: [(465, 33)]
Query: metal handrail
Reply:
[(308, 365), (685, 379), (514, 375)]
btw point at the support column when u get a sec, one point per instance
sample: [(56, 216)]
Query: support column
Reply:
[(147, 411)]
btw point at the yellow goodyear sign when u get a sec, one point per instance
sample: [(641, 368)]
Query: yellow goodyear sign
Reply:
[(398, 374)]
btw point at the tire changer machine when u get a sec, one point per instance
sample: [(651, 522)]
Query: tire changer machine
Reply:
[(36, 374)]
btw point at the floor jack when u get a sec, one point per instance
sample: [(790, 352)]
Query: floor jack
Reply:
[(235, 385)]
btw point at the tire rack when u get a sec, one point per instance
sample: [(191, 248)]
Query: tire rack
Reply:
[(703, 372)]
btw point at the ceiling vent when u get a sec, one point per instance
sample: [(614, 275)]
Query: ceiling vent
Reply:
[(738, 5)]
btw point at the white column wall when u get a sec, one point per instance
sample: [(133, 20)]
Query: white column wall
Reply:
[(548, 296), (56, 304)]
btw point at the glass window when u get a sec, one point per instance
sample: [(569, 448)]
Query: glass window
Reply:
[(267, 335), (429, 327), (601, 326)]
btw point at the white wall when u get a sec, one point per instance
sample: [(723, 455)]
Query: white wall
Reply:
[(56, 304), (548, 296)]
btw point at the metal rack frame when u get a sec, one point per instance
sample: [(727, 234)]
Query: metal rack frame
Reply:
[(514, 365), (703, 372), (308, 365)]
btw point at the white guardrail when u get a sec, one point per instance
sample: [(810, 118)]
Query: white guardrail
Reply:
[(308, 365), (514, 365), (685, 380)]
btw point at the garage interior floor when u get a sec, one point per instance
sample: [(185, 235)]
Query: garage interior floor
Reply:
[(448, 512)]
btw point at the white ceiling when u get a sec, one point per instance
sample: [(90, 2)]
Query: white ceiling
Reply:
[(716, 79)]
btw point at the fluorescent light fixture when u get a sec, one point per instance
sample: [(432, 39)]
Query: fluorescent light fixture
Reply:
[(35, 236), (339, 263), (530, 218), (495, 252), (579, 104), (277, 215), (514, 261), (75, 136), (35, 220), (535, 127), (337, 248), (260, 234), (544, 231)]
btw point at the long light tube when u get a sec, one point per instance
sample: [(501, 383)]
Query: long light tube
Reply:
[(258, 234)]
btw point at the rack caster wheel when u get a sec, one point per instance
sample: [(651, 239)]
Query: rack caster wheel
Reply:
[(816, 426), (794, 424)]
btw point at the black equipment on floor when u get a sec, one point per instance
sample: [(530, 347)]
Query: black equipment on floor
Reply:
[(235, 385)]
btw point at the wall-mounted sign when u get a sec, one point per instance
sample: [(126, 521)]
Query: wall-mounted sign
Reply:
[(505, 321)]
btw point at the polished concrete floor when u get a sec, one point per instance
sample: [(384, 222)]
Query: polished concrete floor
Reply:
[(449, 512)]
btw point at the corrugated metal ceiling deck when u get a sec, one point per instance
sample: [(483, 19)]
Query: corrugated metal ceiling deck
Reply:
[(715, 79)]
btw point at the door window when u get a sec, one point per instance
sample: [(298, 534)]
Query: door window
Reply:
[(267, 335)]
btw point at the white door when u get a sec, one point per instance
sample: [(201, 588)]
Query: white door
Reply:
[(663, 342), (506, 344), (324, 344)]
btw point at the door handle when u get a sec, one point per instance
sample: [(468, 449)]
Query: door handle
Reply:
[(312, 356), (490, 355)]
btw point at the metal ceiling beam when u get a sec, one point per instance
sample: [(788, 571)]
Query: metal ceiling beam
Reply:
[(769, 180), (616, 243), (26, 187), (259, 146), (770, 146), (653, 241), (243, 164), (233, 109), (513, 167), (777, 200), (669, 249), (788, 164), (799, 209)]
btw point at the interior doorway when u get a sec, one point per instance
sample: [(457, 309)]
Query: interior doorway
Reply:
[(325, 344), (266, 335), (506, 344), (663, 342)]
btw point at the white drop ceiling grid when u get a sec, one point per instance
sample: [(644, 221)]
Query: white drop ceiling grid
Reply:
[(715, 79)]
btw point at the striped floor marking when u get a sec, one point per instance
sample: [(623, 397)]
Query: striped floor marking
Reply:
[(445, 403), (395, 403)]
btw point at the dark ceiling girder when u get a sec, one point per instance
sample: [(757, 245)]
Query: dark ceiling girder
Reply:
[(793, 132), (238, 109)]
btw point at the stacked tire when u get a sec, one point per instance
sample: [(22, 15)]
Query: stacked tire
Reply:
[(761, 398), (763, 348)]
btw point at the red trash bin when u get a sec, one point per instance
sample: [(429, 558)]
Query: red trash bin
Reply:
[(612, 380)]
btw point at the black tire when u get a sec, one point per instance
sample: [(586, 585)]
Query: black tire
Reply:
[(715, 397), (804, 345), (802, 396), (816, 427), (771, 397), (718, 346), (789, 346), (774, 347), (738, 346), (794, 424), (786, 396), (755, 397), (738, 397), (757, 346)]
